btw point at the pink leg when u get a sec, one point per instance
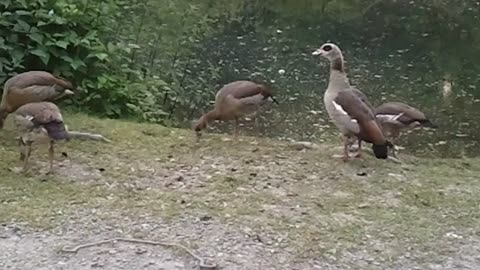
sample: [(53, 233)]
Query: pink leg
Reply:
[(235, 131), (359, 151), (346, 144)]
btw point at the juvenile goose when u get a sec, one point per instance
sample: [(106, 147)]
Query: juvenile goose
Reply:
[(40, 123), (396, 116), (349, 108), (31, 86), (233, 101)]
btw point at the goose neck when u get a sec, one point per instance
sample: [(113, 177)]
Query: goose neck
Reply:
[(338, 80), (338, 64)]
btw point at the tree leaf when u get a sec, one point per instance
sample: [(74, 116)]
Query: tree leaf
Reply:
[(17, 56), (21, 26), (100, 56), (23, 3), (66, 58), (60, 20), (42, 23), (133, 46), (61, 44), (43, 54), (111, 47), (77, 63), (37, 37), (23, 12), (5, 23)]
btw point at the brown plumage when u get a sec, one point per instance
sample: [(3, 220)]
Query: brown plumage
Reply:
[(396, 116), (349, 108), (31, 86), (362, 97), (39, 123), (233, 101)]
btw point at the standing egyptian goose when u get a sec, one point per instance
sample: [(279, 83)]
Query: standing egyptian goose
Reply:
[(31, 86), (396, 116), (349, 108), (39, 123), (233, 101)]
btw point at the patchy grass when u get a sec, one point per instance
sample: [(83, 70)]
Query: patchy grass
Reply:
[(324, 207)]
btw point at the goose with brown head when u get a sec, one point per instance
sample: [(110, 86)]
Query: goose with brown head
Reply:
[(349, 108), (233, 101)]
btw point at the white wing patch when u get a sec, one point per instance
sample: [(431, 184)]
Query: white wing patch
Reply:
[(389, 117), (340, 109), (29, 117)]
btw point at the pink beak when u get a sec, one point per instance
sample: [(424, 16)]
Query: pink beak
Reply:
[(317, 52)]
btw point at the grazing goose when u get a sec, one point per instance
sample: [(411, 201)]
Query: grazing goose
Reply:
[(396, 116), (31, 86), (349, 108), (233, 101), (40, 123)]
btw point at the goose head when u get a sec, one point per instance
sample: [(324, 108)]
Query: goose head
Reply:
[(329, 51)]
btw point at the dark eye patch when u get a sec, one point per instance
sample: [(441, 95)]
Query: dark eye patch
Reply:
[(327, 48)]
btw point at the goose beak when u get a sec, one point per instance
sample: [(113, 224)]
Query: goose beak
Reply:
[(317, 52)]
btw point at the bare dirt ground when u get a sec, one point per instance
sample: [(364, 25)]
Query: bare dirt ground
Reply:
[(247, 204)]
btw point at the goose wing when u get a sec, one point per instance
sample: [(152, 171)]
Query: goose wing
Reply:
[(347, 102)]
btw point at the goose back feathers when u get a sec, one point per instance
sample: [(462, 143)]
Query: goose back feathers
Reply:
[(40, 78)]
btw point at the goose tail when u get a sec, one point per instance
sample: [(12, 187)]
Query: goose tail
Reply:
[(381, 150), (428, 123)]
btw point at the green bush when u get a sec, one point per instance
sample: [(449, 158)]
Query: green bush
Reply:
[(64, 37), (127, 58)]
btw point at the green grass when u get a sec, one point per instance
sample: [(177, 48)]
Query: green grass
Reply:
[(318, 201)]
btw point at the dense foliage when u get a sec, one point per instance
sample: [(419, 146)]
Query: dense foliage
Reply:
[(66, 37), (163, 60), (127, 58)]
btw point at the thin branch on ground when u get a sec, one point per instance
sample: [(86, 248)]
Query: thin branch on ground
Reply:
[(88, 136), (201, 261)]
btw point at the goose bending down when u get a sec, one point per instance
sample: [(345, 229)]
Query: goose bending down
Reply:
[(396, 116), (31, 86), (349, 108), (39, 123), (233, 101)]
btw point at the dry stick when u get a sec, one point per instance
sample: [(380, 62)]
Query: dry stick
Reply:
[(87, 136), (202, 263)]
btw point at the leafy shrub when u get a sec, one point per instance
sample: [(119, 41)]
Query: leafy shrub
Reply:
[(127, 58), (64, 37)]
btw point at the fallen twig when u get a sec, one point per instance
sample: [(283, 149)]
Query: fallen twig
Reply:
[(303, 145), (88, 136), (201, 261), (395, 160)]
